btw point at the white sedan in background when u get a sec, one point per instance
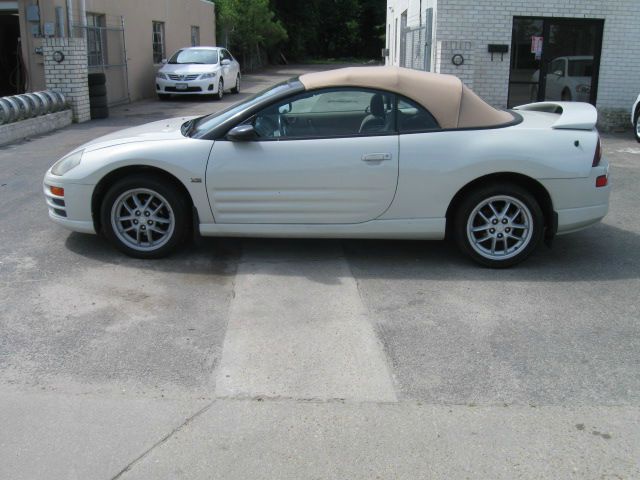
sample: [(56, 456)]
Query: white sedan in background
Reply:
[(368, 152), (198, 71)]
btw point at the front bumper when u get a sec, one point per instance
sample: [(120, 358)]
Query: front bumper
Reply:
[(207, 86), (73, 209)]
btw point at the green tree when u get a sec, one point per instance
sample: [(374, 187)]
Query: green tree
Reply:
[(246, 26), (331, 28)]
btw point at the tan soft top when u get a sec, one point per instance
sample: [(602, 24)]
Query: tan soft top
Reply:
[(449, 101)]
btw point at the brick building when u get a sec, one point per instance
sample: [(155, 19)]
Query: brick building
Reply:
[(515, 51)]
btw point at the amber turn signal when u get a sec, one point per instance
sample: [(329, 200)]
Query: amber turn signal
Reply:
[(59, 191)]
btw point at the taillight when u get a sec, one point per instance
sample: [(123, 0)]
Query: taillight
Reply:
[(598, 155), (602, 181)]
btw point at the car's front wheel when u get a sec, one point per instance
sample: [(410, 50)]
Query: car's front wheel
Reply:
[(236, 89), (220, 93), (499, 226), (636, 126), (145, 216)]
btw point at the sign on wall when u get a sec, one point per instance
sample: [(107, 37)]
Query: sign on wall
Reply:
[(536, 46)]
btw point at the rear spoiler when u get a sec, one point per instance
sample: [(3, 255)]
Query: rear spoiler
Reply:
[(573, 115)]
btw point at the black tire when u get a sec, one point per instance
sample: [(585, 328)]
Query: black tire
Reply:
[(173, 196), (164, 96), (99, 112), (97, 90), (98, 102), (220, 94), (96, 79), (636, 124), (236, 89), (467, 209)]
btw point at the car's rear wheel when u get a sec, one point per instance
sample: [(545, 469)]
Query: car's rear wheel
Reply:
[(145, 216), (499, 226), (220, 94), (236, 89), (636, 126)]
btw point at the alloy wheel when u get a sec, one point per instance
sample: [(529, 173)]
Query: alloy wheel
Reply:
[(142, 219), (500, 227)]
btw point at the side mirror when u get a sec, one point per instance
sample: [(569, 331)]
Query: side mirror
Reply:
[(225, 62), (559, 73), (242, 133), (164, 60)]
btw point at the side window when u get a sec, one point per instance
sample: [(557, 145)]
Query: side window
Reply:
[(557, 67), (338, 112), (414, 118), (225, 55)]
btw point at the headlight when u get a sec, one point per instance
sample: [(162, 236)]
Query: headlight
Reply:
[(208, 75), (161, 75), (583, 88), (65, 164)]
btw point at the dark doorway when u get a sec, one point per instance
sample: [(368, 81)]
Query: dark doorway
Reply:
[(554, 59), (12, 77)]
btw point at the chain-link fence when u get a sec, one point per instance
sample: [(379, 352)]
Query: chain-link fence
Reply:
[(107, 53)]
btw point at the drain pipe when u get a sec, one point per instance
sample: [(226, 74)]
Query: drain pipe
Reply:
[(69, 19), (83, 17)]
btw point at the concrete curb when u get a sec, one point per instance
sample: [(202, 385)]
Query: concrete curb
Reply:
[(13, 132)]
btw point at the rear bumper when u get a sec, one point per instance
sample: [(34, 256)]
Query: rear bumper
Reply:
[(572, 219)]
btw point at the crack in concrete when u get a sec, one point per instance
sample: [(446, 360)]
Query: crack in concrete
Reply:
[(160, 442)]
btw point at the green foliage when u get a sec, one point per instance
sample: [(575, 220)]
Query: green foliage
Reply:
[(248, 24), (302, 29), (332, 28)]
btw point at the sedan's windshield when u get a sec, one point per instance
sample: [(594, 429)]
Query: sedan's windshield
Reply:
[(205, 124), (199, 56)]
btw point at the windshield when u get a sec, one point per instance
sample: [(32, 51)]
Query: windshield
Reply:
[(203, 56), (205, 124)]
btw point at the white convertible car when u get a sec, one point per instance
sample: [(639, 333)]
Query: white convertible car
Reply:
[(366, 152)]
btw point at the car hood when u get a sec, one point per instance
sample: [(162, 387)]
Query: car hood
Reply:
[(161, 130), (187, 68)]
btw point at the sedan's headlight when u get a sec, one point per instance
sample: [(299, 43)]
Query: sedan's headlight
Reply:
[(161, 76), (208, 75), (65, 164)]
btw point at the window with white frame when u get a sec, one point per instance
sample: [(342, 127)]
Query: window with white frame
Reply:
[(195, 36), (96, 39), (158, 42)]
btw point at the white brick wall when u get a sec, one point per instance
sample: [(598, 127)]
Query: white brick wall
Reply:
[(70, 75), (31, 127), (481, 22)]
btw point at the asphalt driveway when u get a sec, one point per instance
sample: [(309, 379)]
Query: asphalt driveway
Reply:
[(253, 358)]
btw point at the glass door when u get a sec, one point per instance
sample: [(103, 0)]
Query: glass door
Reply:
[(554, 59)]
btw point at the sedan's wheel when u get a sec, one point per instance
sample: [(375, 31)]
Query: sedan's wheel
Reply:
[(236, 89), (637, 127), (499, 226), (145, 217), (220, 93)]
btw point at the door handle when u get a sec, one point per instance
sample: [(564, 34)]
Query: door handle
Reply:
[(376, 157)]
